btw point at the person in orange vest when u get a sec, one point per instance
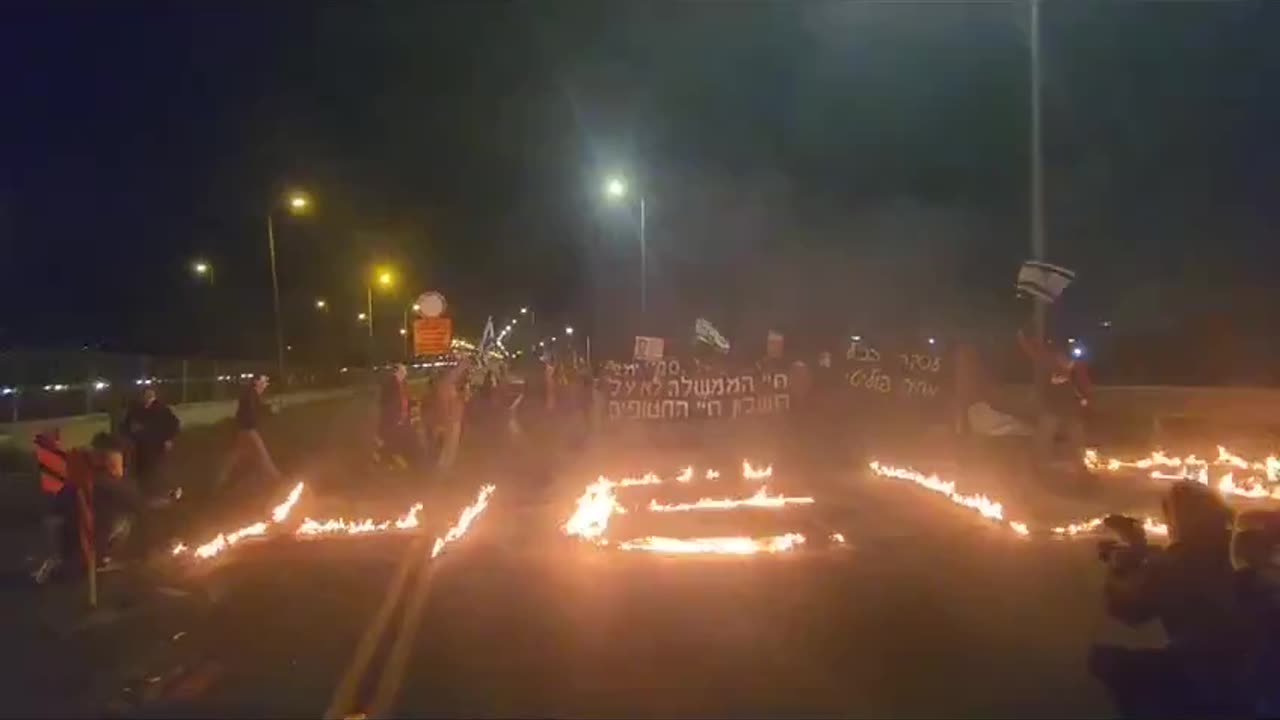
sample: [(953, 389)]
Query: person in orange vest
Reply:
[(95, 483)]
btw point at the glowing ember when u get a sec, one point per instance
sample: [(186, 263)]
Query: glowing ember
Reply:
[(715, 545), (1020, 528), (685, 475), (281, 511), (342, 526), (713, 475), (837, 538), (180, 548), (468, 516), (1150, 525), (751, 473), (762, 499)]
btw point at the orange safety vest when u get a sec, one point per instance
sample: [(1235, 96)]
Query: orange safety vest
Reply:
[(80, 475), (52, 460)]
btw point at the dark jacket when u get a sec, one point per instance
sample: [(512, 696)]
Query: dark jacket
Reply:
[(150, 427), (251, 409)]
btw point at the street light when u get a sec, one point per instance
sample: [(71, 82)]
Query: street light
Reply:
[(568, 330), (298, 203), (203, 269), (385, 278), (362, 317), (321, 304), (615, 188)]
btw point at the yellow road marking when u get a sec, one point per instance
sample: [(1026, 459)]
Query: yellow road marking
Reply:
[(344, 694), (398, 660)]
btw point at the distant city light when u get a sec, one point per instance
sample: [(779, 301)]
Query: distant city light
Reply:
[(1077, 351), (932, 341), (857, 338), (101, 385)]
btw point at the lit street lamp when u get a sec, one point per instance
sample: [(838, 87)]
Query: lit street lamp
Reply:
[(615, 188), (321, 304), (203, 270), (385, 279), (568, 330), (298, 203)]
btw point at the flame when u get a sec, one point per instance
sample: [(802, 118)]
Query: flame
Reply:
[(281, 511), (342, 526), (647, 479), (761, 499), (465, 518), (741, 545), (985, 506), (836, 537), (750, 473), (1197, 469), (713, 475), (993, 510), (225, 540), (1150, 525), (591, 518), (685, 475)]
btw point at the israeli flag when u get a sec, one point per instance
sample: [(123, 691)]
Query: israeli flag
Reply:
[(704, 331), (1043, 281)]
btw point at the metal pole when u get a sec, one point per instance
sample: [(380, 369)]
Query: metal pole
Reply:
[(1039, 248), (643, 259), (368, 302), (184, 379), (275, 296), (407, 340)]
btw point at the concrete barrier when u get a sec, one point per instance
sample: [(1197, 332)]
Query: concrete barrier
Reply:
[(1157, 405), (80, 429)]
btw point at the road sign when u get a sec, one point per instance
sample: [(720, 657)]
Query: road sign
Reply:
[(432, 335), (431, 304)]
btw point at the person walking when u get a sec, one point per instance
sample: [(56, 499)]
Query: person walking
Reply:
[(448, 410), (248, 445), (395, 429), (151, 428), (1064, 387)]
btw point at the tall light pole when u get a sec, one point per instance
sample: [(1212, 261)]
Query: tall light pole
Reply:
[(616, 189), (404, 329), (384, 278), (1039, 248), (297, 203)]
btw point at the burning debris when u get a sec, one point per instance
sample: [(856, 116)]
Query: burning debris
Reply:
[(599, 502)]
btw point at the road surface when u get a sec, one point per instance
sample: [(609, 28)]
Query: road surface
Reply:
[(926, 610)]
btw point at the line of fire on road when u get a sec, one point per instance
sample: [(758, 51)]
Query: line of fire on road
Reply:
[(312, 528), (599, 502)]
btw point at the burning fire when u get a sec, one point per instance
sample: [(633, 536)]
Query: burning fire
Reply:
[(1252, 486), (751, 473), (762, 499), (984, 505), (715, 545), (341, 526), (990, 509), (599, 502), (225, 540), (468, 516)]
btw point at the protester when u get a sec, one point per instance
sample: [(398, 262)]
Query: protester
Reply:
[(98, 473), (151, 427), (1189, 588), (248, 446), (449, 405), (395, 429), (1064, 389)]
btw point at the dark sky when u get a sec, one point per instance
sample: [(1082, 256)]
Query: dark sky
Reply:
[(804, 163)]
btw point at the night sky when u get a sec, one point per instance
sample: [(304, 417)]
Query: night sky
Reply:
[(805, 164)]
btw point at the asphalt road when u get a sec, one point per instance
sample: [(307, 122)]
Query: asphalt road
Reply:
[(928, 609)]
